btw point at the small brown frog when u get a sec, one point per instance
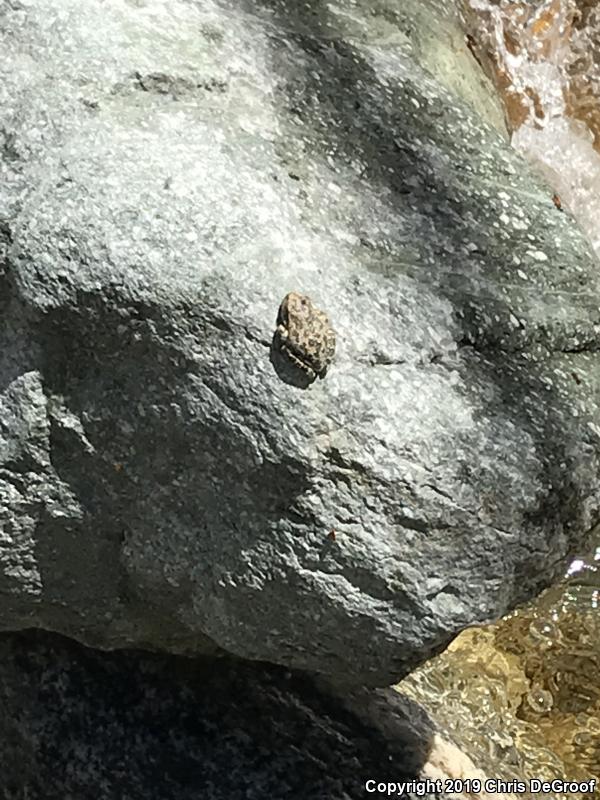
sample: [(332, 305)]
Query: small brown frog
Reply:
[(304, 336)]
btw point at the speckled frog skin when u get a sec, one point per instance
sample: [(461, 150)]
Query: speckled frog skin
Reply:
[(304, 335)]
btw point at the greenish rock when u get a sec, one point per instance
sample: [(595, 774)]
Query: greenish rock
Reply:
[(168, 176)]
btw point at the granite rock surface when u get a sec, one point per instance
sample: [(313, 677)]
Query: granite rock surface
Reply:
[(135, 726)]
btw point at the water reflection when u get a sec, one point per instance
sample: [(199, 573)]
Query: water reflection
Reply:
[(522, 697)]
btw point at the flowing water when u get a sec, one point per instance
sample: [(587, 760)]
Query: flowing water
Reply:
[(522, 697), (544, 58)]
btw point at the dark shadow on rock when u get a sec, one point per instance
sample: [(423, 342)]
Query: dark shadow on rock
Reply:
[(139, 457), (17, 352), (81, 723), (285, 370)]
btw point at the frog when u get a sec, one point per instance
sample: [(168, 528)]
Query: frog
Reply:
[(304, 336)]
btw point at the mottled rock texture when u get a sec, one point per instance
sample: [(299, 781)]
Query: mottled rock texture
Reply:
[(168, 172), (128, 726)]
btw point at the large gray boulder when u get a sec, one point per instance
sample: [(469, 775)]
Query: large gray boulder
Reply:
[(167, 175)]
